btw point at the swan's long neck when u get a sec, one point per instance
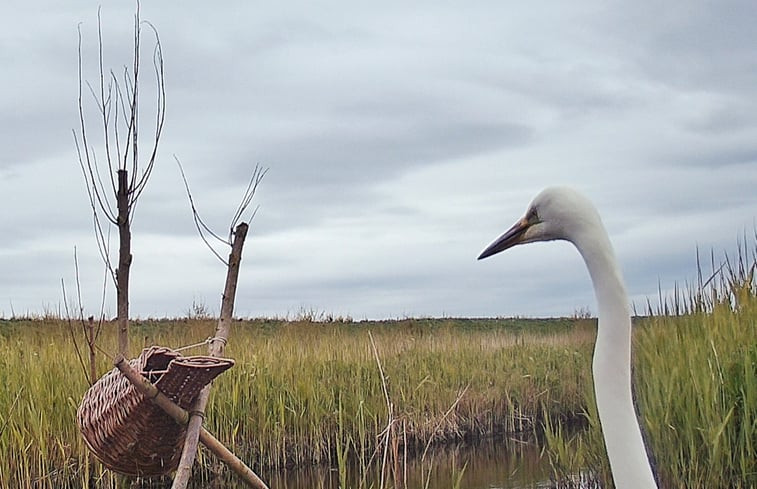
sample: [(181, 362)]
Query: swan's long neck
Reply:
[(612, 367)]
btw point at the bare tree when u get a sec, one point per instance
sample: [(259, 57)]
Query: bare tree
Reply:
[(117, 173), (237, 235)]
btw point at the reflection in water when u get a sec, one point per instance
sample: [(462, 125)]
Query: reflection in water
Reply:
[(484, 464)]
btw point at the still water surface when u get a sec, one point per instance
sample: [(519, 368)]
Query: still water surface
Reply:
[(484, 464)]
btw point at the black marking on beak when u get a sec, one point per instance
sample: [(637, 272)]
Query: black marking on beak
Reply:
[(512, 237)]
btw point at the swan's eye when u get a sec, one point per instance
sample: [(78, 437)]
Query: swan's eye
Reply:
[(532, 216)]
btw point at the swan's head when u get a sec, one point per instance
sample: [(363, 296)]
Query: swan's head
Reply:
[(556, 213)]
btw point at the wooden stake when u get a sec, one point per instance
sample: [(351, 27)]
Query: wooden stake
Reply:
[(91, 345), (216, 350), (147, 389), (124, 261)]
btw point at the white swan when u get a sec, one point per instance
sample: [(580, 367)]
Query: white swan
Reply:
[(563, 213)]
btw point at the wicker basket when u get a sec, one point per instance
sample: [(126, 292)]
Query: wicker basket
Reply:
[(125, 430)]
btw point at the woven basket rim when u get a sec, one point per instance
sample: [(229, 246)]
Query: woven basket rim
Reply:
[(126, 431)]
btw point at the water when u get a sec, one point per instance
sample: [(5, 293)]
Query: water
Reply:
[(490, 463), (493, 463)]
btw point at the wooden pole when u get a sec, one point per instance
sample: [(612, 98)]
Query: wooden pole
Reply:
[(216, 350), (147, 389), (124, 262), (91, 345)]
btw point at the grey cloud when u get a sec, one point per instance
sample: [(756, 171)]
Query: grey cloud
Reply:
[(401, 139), (31, 136), (366, 154), (687, 44), (738, 160), (726, 118)]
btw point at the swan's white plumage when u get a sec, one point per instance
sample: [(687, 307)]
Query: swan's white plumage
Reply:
[(563, 213)]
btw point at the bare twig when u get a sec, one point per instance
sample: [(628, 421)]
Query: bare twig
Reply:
[(200, 225), (439, 424), (203, 229), (88, 328), (71, 332), (10, 411), (255, 179), (390, 411), (140, 184)]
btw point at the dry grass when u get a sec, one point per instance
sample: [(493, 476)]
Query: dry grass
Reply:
[(305, 392)]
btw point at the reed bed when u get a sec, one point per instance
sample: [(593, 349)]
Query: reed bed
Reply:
[(317, 392), (305, 392), (695, 383)]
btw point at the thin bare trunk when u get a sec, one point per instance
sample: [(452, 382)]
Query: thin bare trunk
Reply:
[(91, 343), (229, 292), (117, 102), (216, 350), (124, 262)]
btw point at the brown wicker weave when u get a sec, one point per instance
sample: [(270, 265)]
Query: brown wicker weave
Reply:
[(125, 430)]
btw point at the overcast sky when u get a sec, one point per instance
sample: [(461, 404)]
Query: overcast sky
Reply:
[(401, 138)]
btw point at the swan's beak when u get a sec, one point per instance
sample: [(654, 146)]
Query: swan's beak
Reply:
[(512, 237)]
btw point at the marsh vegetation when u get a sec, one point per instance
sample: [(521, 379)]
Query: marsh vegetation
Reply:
[(307, 392)]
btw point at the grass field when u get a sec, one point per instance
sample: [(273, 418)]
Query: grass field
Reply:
[(305, 392)]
